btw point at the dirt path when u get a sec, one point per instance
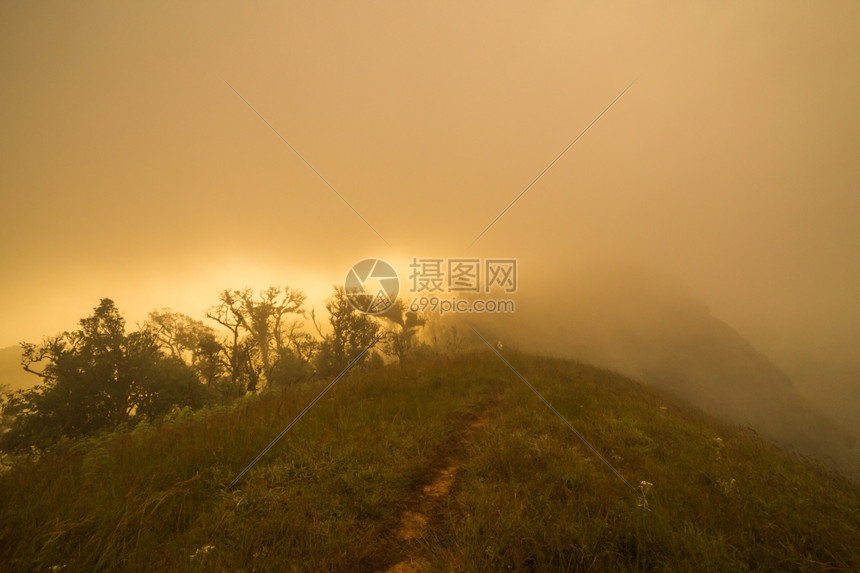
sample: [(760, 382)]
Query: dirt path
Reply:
[(427, 500)]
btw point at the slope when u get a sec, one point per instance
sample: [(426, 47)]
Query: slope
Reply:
[(655, 334), (526, 494)]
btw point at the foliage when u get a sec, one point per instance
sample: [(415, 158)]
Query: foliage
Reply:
[(289, 369), (94, 379), (191, 341), (260, 333), (351, 333), (401, 340)]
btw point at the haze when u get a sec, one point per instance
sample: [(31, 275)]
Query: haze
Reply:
[(131, 170)]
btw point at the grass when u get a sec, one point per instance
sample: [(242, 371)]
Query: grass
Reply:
[(528, 496)]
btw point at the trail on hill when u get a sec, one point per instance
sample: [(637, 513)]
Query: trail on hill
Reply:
[(430, 493)]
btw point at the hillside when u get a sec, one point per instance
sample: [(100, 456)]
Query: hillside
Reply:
[(671, 342), (453, 465)]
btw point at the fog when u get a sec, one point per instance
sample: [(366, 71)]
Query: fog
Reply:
[(640, 325), (728, 170)]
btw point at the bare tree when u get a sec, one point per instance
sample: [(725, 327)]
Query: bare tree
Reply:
[(401, 339), (259, 332), (228, 313)]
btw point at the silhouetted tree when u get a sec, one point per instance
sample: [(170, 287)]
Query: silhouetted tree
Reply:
[(260, 334), (401, 339), (168, 382), (192, 342), (94, 379), (293, 363), (266, 322), (229, 314), (352, 332)]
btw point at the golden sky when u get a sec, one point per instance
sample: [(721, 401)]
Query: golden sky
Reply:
[(129, 169)]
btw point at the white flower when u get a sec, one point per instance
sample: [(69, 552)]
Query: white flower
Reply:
[(644, 487), (202, 551)]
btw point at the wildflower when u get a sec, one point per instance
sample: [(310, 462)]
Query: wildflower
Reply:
[(202, 551), (644, 488)]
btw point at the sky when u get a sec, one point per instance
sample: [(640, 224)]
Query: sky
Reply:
[(131, 169)]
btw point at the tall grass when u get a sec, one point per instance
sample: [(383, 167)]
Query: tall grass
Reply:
[(531, 497), (152, 498), (528, 496)]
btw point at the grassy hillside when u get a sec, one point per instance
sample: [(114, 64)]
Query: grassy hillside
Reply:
[(452, 466), (674, 343)]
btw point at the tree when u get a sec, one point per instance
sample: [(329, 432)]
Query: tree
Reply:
[(401, 339), (190, 341), (352, 332), (229, 314), (266, 322), (293, 363), (260, 334), (168, 382), (93, 379)]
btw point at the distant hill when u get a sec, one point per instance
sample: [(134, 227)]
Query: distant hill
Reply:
[(650, 333), (11, 372)]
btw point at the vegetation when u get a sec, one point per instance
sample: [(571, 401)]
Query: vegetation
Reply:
[(527, 496), (260, 334), (402, 340), (94, 379), (100, 377), (351, 332), (711, 497), (126, 453)]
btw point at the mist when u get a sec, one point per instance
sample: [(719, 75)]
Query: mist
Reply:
[(639, 324), (726, 174)]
